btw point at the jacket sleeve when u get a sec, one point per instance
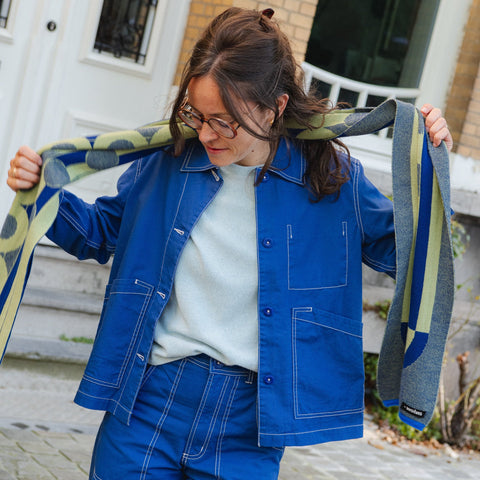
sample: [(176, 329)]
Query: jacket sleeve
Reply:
[(375, 216), (91, 230)]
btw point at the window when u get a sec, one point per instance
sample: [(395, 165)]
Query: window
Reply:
[(379, 42), (4, 9), (125, 27)]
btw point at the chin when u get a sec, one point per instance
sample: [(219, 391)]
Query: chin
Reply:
[(220, 162)]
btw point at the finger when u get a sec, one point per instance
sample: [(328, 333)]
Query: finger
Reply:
[(426, 109), (27, 159), (436, 126), (20, 179), (22, 174), (28, 153), (23, 163), (438, 130), (17, 184), (442, 135), (432, 117)]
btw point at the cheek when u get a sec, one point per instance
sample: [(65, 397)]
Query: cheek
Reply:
[(246, 142), (244, 148)]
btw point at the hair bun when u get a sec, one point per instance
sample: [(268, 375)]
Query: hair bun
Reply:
[(268, 12)]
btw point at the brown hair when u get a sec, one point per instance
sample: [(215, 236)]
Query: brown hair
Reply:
[(251, 59)]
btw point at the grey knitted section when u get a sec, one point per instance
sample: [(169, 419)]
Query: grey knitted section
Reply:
[(414, 388)]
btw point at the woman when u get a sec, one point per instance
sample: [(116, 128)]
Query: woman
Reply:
[(232, 319)]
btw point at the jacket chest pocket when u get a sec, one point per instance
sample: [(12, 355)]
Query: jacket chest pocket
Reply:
[(318, 260)]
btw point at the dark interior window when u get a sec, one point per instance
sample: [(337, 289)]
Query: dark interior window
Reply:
[(382, 42)]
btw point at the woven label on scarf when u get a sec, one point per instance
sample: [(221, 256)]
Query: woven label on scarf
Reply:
[(412, 411)]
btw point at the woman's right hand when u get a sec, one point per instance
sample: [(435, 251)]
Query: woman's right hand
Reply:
[(24, 171)]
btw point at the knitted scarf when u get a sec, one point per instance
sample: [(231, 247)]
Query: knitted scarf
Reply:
[(418, 321)]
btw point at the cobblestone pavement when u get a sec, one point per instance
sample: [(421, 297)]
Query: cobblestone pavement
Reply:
[(44, 436)]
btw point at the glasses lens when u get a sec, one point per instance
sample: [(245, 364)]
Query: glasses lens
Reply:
[(190, 118), (221, 127), (193, 120)]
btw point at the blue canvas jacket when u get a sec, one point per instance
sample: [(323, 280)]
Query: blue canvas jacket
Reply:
[(310, 376)]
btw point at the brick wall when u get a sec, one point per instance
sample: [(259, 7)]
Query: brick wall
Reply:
[(469, 144), (294, 16), (463, 106)]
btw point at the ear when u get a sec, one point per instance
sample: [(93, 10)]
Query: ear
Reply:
[(282, 101)]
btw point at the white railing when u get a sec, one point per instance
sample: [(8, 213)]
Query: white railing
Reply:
[(364, 90)]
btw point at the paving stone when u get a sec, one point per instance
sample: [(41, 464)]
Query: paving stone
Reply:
[(69, 475), (54, 460), (359, 476), (28, 469), (50, 447), (342, 475), (84, 467), (15, 435), (76, 456), (5, 475), (64, 442), (37, 446)]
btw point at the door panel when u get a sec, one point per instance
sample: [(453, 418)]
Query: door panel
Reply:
[(54, 83)]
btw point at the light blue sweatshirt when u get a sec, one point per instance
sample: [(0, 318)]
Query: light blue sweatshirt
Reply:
[(213, 307)]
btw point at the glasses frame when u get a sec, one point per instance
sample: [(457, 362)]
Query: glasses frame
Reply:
[(187, 108)]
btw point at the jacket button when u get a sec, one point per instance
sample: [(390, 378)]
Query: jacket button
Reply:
[(267, 312), (267, 242), (266, 178), (268, 379)]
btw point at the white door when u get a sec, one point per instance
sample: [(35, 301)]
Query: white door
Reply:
[(58, 78)]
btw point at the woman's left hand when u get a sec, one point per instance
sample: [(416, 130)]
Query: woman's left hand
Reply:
[(436, 126)]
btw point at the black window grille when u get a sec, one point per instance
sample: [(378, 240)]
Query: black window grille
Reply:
[(125, 27), (4, 9)]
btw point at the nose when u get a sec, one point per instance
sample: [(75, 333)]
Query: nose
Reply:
[(206, 133)]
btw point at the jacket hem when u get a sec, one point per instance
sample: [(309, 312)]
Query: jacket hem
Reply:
[(105, 404), (302, 439)]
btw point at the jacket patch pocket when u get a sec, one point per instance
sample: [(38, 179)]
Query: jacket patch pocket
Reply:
[(327, 364), (121, 322), (317, 259)]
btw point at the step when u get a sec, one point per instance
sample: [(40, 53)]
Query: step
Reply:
[(63, 299), (46, 316), (49, 314), (53, 268), (45, 350)]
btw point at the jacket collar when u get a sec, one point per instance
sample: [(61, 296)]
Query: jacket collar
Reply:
[(289, 163)]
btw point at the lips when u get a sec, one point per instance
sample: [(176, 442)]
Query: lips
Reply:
[(213, 150)]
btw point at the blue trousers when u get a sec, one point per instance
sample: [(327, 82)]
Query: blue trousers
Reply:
[(194, 419)]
